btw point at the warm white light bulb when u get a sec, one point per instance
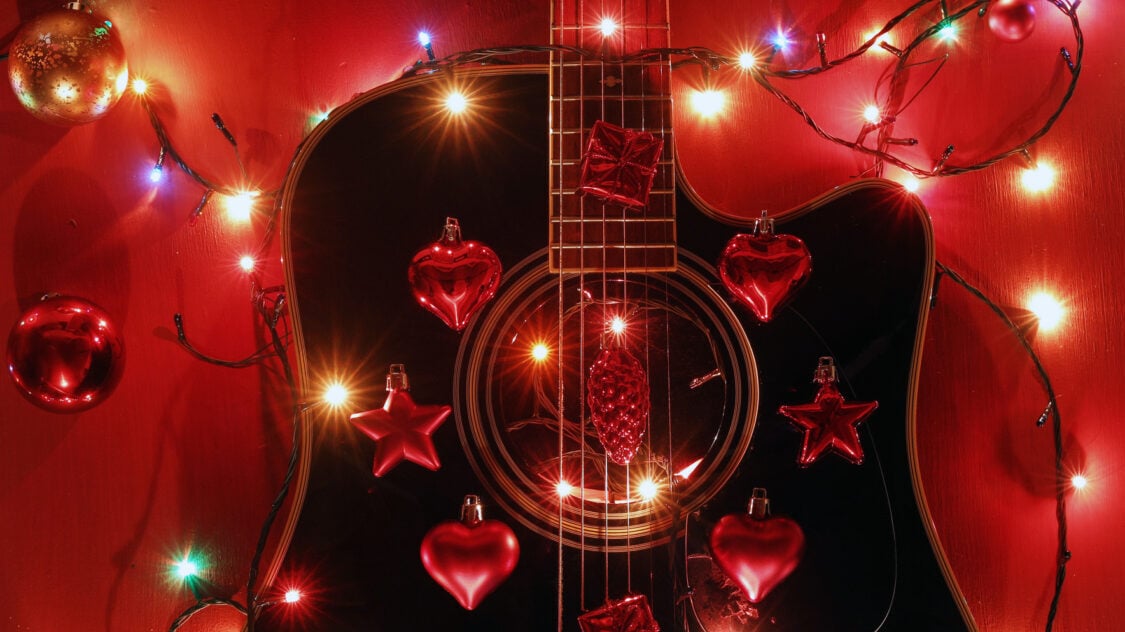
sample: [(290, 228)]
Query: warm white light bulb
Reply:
[(1047, 310), (746, 60), (947, 33), (647, 489), (1038, 178), (140, 86), (246, 263), (564, 489), (1078, 481), (617, 325), (707, 103), (336, 394), (872, 114), (292, 595), (539, 352), (910, 183), (240, 205), (456, 102), (608, 26)]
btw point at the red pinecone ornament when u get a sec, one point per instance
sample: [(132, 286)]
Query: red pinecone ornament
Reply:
[(618, 395)]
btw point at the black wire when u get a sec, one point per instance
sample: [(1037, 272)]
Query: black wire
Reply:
[(712, 60), (272, 311), (1053, 411), (203, 604)]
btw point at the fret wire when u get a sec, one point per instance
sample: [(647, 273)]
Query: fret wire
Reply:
[(624, 97), (613, 245), (633, 220)]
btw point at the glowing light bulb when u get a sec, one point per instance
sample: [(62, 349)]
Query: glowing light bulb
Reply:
[(1047, 309), (948, 32), (1038, 178), (647, 489), (746, 60), (707, 103), (292, 595), (423, 38), (780, 40), (156, 174), (185, 568), (240, 205), (617, 325), (336, 395), (319, 117), (456, 102), (140, 86), (564, 489), (607, 26), (1078, 481), (246, 263), (872, 114), (539, 352), (879, 40), (910, 183)]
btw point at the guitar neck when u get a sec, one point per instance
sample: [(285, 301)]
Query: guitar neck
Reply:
[(609, 82)]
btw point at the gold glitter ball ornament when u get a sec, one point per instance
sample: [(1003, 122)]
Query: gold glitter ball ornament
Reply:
[(68, 66)]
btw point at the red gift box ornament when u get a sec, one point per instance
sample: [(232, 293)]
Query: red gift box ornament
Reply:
[(829, 422), (619, 164), (755, 550), (454, 278), (401, 429), (470, 557), (617, 392), (629, 614), (763, 269)]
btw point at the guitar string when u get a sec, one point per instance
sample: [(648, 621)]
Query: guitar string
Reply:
[(557, 198)]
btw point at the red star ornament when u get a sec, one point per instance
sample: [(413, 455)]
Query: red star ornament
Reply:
[(829, 423), (402, 430)]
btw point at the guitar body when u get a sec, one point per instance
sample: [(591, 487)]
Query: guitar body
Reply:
[(374, 184)]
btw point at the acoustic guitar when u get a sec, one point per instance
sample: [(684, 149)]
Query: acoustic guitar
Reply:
[(375, 183)]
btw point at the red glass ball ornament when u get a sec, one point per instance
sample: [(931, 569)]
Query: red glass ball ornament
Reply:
[(470, 558), (65, 354), (67, 66), (1011, 20), (618, 395), (454, 278)]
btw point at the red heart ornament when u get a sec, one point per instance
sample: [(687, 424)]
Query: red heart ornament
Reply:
[(454, 278), (757, 553), (763, 269), (470, 558), (618, 395)]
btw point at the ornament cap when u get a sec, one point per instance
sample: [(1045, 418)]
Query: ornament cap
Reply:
[(825, 370), (472, 511), (397, 379), (451, 232), (759, 506), (763, 226)]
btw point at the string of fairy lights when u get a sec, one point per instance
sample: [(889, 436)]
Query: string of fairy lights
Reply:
[(878, 123)]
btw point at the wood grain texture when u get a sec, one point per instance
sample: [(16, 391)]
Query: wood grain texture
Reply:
[(95, 505)]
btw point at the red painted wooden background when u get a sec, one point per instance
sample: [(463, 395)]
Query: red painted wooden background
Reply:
[(94, 506)]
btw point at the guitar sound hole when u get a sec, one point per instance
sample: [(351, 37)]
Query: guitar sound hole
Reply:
[(703, 382)]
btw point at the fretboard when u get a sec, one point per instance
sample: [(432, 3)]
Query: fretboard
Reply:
[(588, 234)]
